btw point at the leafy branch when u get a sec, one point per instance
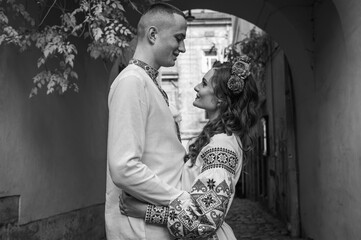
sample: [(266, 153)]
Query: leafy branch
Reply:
[(101, 22)]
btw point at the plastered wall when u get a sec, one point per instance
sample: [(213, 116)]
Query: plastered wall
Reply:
[(52, 148)]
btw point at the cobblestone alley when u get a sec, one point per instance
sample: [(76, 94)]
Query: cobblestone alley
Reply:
[(250, 221)]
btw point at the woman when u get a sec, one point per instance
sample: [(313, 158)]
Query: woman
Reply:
[(213, 165)]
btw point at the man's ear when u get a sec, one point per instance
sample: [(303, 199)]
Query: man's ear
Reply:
[(152, 34)]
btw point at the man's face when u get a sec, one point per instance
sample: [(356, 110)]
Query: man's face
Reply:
[(170, 41)]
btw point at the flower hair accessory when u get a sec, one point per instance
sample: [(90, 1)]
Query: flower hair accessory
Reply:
[(240, 71)]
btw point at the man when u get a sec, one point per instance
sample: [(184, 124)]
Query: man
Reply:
[(145, 156)]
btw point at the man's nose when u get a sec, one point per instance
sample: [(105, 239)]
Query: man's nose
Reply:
[(182, 47)]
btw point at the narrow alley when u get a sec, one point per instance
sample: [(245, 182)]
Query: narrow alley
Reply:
[(250, 221)]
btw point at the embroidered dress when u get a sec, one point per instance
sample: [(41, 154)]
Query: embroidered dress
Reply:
[(210, 183), (145, 157)]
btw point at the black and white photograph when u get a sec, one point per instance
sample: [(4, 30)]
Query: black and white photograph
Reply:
[(180, 119)]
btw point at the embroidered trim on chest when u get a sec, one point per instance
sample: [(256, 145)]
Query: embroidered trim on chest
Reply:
[(220, 158)]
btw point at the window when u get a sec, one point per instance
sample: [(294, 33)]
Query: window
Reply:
[(209, 57), (264, 137)]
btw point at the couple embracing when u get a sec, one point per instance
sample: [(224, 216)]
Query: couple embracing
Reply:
[(155, 188)]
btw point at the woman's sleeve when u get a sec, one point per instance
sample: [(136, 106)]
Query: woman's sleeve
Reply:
[(203, 211)]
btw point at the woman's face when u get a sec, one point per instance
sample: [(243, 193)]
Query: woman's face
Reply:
[(205, 97)]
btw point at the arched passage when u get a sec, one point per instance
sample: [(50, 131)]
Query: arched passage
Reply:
[(312, 37), (296, 44)]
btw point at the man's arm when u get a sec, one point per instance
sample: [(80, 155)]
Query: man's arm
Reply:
[(128, 111)]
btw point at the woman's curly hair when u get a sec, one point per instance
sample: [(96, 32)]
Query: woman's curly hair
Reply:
[(237, 115)]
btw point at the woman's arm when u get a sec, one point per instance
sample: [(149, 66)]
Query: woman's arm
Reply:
[(133, 207), (202, 211)]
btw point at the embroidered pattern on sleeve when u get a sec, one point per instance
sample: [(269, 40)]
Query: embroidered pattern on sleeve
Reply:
[(157, 214), (203, 214), (200, 215), (220, 158)]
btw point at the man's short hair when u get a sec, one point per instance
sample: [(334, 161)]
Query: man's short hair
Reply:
[(162, 7), (154, 13)]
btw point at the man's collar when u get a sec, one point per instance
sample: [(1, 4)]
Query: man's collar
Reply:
[(151, 71)]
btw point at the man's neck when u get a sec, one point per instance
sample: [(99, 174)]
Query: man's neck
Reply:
[(146, 58)]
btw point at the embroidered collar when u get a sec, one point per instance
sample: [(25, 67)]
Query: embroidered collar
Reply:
[(152, 72)]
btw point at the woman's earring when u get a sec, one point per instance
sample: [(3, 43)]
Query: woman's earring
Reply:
[(219, 102)]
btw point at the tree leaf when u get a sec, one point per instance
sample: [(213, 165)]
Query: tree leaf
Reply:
[(97, 33)]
